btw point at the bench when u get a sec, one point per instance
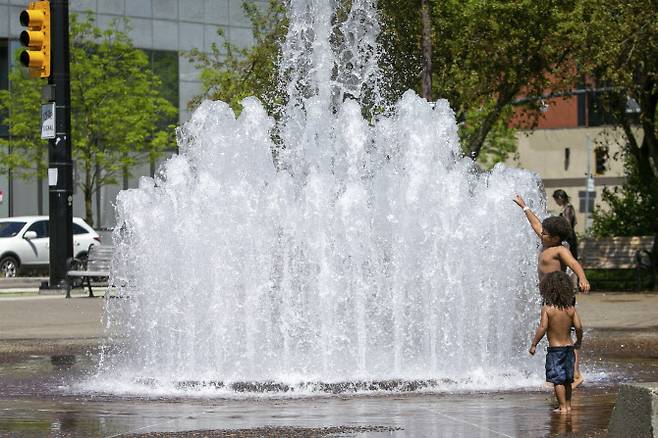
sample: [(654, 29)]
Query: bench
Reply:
[(99, 258), (618, 253)]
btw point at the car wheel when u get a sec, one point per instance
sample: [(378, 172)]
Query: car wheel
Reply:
[(8, 267)]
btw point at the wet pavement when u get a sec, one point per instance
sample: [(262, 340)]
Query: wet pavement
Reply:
[(36, 399), (467, 415)]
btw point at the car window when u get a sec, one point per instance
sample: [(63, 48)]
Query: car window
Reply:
[(40, 227), (10, 229), (77, 229)]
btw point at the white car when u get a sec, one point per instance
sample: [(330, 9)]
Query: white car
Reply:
[(25, 245)]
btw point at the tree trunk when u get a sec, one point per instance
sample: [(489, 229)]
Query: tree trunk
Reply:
[(98, 195), (89, 218), (476, 141), (88, 194), (426, 43), (654, 258)]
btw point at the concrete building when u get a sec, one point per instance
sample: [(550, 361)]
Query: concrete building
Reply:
[(574, 139), (163, 28)]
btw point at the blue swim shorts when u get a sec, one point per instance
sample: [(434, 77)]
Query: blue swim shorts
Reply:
[(559, 365)]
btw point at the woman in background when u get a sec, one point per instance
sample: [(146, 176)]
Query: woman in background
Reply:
[(569, 213)]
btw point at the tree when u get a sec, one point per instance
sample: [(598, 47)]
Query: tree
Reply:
[(485, 55), (426, 44), (117, 111), (620, 56), (24, 151), (482, 56), (231, 73)]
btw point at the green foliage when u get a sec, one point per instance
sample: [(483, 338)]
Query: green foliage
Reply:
[(231, 73), (480, 84), (500, 143), (620, 51), (629, 210), (24, 152), (485, 54), (116, 110)]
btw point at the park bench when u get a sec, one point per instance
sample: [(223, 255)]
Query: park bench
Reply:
[(99, 258), (618, 254)]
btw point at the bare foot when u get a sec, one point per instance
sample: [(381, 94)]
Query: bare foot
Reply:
[(577, 380), (561, 411)]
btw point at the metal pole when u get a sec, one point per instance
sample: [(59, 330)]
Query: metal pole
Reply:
[(59, 150), (588, 184)]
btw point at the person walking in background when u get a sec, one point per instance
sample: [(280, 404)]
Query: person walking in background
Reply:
[(569, 213)]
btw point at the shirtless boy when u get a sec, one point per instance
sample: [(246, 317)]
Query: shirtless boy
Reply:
[(554, 256), (558, 315)]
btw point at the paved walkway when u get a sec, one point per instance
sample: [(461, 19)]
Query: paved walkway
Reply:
[(54, 317), (619, 310), (50, 317)]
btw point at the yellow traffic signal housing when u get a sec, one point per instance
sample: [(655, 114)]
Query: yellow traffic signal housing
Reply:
[(36, 38)]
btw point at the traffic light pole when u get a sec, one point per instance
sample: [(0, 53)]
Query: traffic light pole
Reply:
[(60, 164)]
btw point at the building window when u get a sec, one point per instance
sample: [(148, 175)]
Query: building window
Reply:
[(586, 201), (4, 80), (593, 110), (596, 110), (165, 65), (567, 158)]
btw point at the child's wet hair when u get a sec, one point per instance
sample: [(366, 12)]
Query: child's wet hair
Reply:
[(557, 290), (557, 226)]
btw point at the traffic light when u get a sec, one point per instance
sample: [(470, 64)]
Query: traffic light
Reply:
[(36, 38), (601, 158)]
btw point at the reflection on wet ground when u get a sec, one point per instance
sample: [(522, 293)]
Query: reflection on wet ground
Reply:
[(36, 400)]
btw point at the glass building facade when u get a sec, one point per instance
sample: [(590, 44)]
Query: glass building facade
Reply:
[(165, 30)]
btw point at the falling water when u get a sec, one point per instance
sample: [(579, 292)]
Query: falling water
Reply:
[(368, 250)]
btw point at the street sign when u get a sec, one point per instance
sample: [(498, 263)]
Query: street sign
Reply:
[(48, 120), (590, 184)]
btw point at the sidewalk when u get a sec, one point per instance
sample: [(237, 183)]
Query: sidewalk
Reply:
[(54, 317), (615, 310), (50, 317)]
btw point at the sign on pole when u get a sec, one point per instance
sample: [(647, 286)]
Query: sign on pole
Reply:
[(48, 120)]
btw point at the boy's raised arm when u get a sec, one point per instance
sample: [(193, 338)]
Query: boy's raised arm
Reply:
[(568, 259), (541, 330), (535, 223), (579, 329)]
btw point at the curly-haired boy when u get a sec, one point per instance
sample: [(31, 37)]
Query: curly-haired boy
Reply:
[(558, 316)]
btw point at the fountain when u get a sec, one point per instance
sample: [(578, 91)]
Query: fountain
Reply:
[(367, 254)]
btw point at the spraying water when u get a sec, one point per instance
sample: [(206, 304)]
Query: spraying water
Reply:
[(371, 251)]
